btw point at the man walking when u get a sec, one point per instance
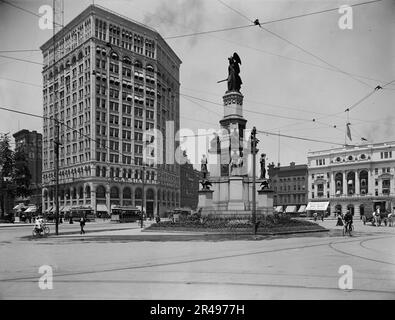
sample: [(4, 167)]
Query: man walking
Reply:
[(82, 224)]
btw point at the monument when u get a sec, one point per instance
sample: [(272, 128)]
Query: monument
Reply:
[(227, 190)]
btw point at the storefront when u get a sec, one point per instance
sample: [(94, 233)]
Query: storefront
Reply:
[(319, 207)]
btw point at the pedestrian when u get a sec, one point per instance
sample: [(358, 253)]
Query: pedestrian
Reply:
[(339, 219), (82, 224)]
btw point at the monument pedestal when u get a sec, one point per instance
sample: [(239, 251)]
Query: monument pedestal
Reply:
[(265, 201), (236, 201), (205, 200)]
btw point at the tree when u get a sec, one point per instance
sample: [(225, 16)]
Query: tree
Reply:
[(21, 176), (6, 165)]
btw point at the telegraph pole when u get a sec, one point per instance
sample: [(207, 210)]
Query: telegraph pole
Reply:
[(56, 145), (254, 142), (142, 197)]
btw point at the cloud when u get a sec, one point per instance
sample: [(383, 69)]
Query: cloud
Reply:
[(180, 16)]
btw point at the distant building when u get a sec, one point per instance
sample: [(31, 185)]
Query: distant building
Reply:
[(356, 178), (189, 178), (31, 142), (290, 187)]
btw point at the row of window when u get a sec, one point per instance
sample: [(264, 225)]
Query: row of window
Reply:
[(124, 173)]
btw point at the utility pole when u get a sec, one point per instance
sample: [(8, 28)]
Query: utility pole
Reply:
[(254, 142), (142, 196), (56, 145)]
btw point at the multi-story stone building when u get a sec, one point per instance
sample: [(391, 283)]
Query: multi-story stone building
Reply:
[(31, 142), (290, 186), (356, 178), (110, 81), (189, 186)]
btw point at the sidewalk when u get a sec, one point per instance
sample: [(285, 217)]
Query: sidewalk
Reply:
[(26, 224)]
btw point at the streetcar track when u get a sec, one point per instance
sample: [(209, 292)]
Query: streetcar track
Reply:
[(360, 244), (216, 283), (162, 264)]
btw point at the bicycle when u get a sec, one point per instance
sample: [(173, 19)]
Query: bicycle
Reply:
[(43, 232), (347, 229)]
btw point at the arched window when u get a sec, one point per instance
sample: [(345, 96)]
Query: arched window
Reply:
[(138, 64), (100, 192), (138, 194), (114, 55), (150, 194), (88, 191), (150, 68), (127, 193), (80, 55), (81, 192), (114, 193), (127, 60), (74, 193)]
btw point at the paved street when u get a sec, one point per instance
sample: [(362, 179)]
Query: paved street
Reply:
[(112, 265)]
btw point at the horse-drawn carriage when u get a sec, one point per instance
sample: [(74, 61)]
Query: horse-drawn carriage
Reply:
[(377, 218)]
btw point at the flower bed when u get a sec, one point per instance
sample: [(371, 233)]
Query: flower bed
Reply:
[(265, 224)]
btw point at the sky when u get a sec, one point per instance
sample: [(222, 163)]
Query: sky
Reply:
[(294, 84)]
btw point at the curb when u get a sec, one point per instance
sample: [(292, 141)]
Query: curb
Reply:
[(183, 232), (19, 225), (178, 237)]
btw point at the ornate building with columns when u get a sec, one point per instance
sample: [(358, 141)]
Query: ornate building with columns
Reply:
[(110, 81), (356, 178)]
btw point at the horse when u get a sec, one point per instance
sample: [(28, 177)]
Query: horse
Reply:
[(391, 218)]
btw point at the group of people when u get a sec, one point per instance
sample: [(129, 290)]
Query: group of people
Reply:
[(346, 219), (40, 223), (378, 217)]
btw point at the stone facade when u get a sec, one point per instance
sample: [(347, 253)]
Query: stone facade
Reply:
[(358, 178), (289, 184)]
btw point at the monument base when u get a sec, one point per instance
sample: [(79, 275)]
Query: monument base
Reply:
[(265, 201), (205, 200), (236, 202)]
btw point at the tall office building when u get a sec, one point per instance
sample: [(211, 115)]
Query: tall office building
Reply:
[(111, 79)]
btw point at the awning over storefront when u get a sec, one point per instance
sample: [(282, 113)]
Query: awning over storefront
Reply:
[(19, 206), (101, 208), (290, 209), (317, 206), (302, 209), (279, 209), (65, 209), (49, 209), (31, 209)]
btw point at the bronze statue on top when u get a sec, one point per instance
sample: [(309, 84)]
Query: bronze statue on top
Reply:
[(234, 80), (263, 164)]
